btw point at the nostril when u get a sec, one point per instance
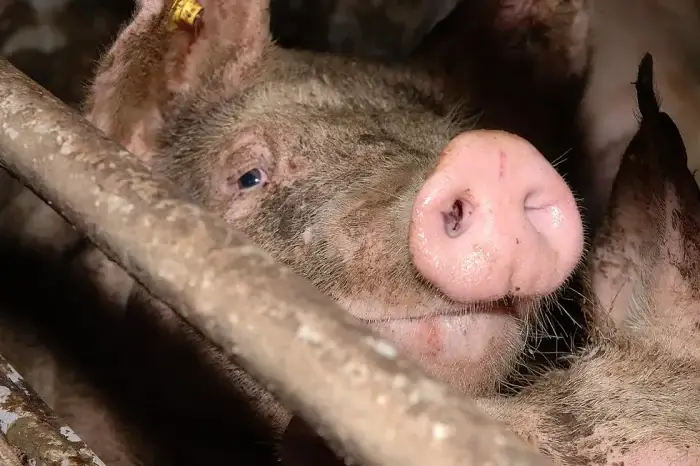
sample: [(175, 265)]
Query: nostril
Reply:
[(457, 218), (542, 211), (536, 200)]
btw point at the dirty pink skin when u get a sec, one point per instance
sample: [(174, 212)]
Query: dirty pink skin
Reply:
[(368, 198), (492, 209)]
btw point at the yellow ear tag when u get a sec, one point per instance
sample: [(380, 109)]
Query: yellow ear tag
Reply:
[(184, 12)]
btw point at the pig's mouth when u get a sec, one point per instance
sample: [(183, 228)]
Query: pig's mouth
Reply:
[(507, 306), (458, 335)]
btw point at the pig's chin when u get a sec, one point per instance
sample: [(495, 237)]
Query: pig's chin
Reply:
[(465, 349)]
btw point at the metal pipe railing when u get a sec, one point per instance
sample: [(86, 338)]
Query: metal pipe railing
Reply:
[(31, 431), (345, 381)]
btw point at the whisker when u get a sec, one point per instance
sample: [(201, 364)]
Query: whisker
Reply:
[(561, 159)]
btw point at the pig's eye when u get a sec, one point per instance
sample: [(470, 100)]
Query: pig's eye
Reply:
[(251, 179)]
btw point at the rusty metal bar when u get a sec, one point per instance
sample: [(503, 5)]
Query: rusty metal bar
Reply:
[(31, 430), (345, 381)]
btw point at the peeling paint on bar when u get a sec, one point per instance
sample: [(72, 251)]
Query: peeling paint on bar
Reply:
[(29, 427), (287, 334)]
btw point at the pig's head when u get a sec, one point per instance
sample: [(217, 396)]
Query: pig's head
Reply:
[(361, 178)]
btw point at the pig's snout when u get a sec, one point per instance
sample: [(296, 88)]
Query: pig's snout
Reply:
[(495, 219)]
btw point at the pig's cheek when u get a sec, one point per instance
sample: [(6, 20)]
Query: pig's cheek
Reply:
[(242, 207), (471, 343)]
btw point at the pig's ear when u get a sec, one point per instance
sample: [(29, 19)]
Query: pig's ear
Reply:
[(645, 262), (169, 48)]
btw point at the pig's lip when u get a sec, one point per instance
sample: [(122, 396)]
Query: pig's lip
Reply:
[(508, 306)]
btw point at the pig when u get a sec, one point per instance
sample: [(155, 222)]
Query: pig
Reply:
[(297, 150), (154, 114), (351, 191), (378, 187), (631, 393)]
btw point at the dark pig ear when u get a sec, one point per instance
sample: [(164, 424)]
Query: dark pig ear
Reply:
[(168, 48), (645, 263)]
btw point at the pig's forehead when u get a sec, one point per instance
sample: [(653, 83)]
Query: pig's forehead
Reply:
[(341, 130), (303, 84), (355, 80), (284, 114)]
